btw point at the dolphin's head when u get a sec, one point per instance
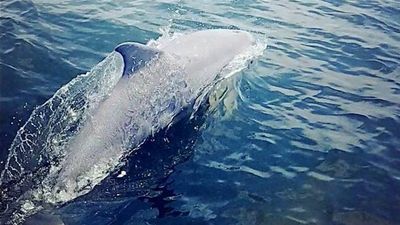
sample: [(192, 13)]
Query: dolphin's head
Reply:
[(205, 53), (210, 45)]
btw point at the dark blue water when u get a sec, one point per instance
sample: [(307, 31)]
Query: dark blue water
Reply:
[(309, 135)]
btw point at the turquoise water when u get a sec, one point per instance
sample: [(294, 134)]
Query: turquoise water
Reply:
[(308, 135)]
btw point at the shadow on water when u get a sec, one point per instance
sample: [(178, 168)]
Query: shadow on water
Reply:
[(139, 188)]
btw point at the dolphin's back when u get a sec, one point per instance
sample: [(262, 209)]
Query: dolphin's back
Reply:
[(135, 56)]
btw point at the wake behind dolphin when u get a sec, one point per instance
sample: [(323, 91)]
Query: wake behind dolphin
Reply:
[(81, 134)]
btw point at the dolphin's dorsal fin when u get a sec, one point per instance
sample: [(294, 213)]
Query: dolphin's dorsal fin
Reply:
[(135, 56)]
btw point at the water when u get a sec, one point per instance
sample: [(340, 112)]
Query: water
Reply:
[(308, 135)]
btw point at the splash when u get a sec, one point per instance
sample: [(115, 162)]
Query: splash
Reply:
[(40, 145)]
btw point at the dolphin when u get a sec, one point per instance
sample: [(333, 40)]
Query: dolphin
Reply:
[(177, 73), (152, 85)]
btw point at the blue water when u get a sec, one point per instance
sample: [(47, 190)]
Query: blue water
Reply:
[(313, 136)]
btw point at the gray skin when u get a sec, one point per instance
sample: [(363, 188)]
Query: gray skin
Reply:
[(141, 104)]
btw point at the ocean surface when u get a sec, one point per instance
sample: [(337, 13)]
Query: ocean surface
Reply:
[(308, 134)]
